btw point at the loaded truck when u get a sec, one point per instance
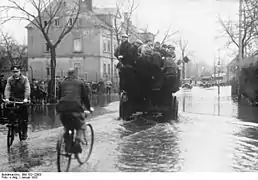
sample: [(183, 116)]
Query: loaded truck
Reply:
[(148, 88)]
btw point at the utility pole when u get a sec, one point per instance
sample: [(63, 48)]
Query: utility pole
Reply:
[(218, 72), (112, 56), (240, 57), (183, 69)]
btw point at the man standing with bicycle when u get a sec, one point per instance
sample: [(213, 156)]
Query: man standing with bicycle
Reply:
[(18, 89), (73, 95)]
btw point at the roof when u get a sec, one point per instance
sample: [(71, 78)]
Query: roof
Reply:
[(233, 62), (112, 11), (218, 75), (93, 16)]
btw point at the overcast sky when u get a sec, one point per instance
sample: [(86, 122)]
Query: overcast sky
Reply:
[(196, 20)]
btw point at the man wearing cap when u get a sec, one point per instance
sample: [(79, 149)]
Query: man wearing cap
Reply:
[(123, 52), (136, 49), (171, 51), (146, 48), (163, 51), (18, 89), (157, 46), (73, 96)]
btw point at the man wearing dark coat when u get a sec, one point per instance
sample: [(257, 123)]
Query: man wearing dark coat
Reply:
[(123, 53)]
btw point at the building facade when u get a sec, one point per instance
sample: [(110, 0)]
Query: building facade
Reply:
[(87, 47)]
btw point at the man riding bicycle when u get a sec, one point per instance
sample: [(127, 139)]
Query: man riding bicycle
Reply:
[(73, 95), (18, 89)]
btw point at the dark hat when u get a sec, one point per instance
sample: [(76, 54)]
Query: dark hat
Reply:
[(157, 42), (15, 68), (164, 45), (172, 47), (124, 36)]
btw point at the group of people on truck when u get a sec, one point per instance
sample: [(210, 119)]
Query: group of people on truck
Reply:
[(128, 51), (161, 56)]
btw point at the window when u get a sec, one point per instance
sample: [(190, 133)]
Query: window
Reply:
[(70, 21), (79, 22), (109, 47), (109, 70), (45, 23), (77, 45), (47, 49), (86, 76), (104, 46), (56, 22), (32, 40), (114, 70), (77, 66), (104, 68)]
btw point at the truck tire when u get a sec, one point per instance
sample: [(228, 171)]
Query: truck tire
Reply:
[(172, 112), (125, 109), (175, 108)]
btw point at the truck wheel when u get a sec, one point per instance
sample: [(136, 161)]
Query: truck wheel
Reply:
[(125, 108), (175, 108)]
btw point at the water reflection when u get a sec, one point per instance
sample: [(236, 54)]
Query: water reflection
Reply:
[(208, 101), (248, 113), (150, 148), (45, 116), (18, 157)]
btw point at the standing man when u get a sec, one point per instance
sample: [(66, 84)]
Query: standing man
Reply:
[(18, 89), (123, 53), (147, 48)]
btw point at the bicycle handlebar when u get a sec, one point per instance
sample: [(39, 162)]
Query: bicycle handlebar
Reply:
[(86, 112), (15, 102)]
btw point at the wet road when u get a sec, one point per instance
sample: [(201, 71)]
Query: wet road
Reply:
[(213, 134)]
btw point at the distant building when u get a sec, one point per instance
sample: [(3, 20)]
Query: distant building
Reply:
[(87, 47)]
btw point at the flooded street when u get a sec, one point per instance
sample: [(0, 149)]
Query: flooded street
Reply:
[(212, 134)]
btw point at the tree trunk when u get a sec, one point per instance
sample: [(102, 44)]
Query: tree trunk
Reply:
[(243, 52), (53, 75)]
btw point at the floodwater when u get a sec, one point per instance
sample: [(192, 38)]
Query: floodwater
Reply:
[(213, 133)]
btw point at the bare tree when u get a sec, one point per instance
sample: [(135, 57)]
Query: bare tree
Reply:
[(12, 51), (145, 34), (168, 34), (47, 13), (126, 10), (185, 53), (248, 26)]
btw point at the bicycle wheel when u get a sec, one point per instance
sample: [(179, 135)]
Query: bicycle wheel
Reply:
[(20, 130), (10, 136), (63, 166), (86, 144)]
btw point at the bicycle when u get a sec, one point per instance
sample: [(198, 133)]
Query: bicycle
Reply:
[(68, 146), (14, 124)]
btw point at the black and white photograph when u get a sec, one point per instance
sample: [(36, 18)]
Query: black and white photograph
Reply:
[(128, 86)]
